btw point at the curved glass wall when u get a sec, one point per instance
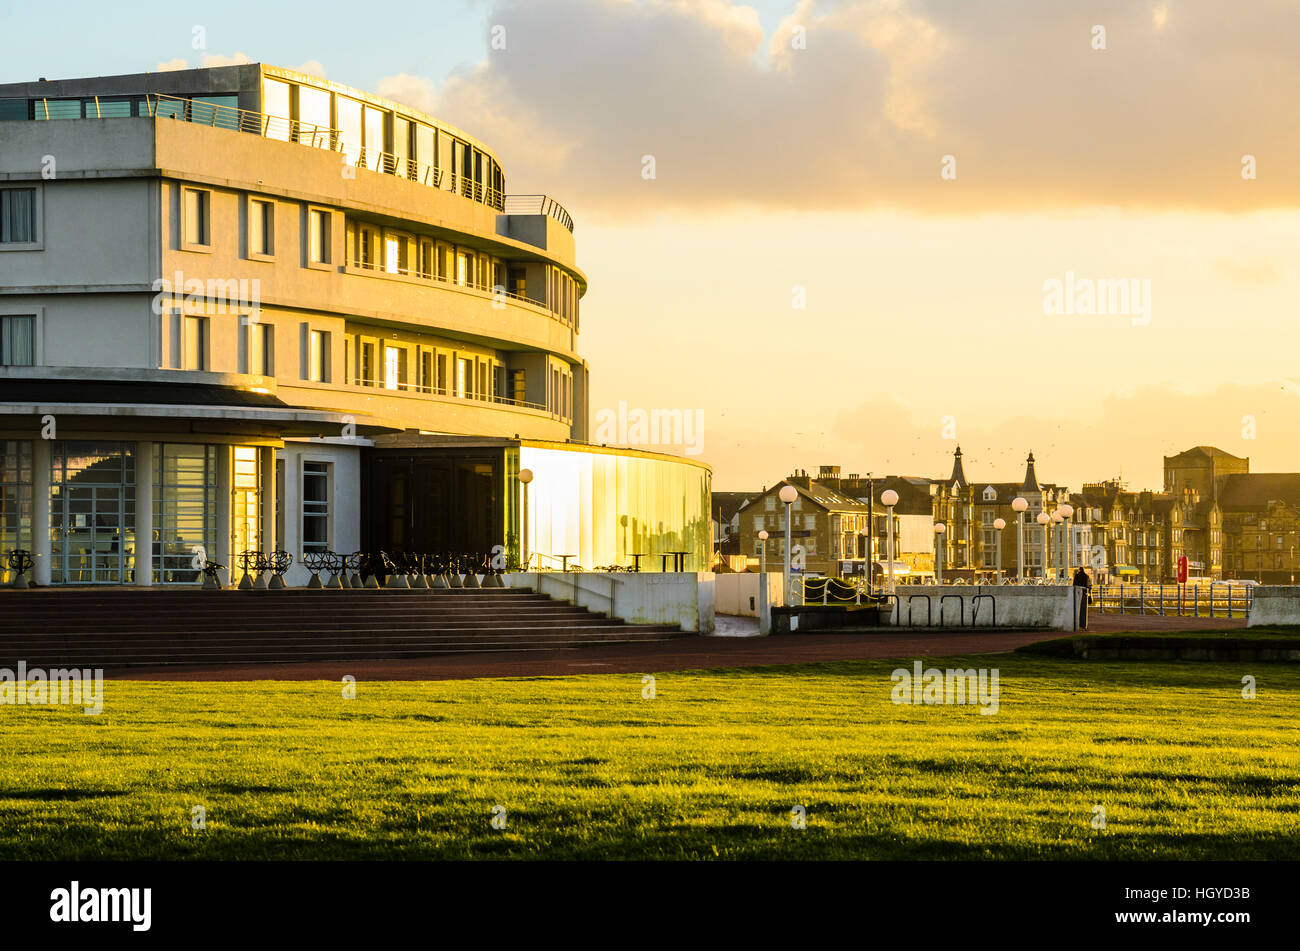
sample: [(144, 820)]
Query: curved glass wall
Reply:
[(604, 508)]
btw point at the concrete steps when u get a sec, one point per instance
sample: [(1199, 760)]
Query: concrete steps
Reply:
[(115, 627)]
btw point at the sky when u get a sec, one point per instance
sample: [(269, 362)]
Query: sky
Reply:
[(860, 233)]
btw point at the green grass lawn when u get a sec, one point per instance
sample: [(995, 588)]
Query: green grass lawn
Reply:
[(711, 767)]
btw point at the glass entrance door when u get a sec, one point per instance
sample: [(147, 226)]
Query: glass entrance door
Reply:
[(245, 520), (92, 513)]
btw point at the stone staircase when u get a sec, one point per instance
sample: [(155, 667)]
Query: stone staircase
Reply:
[(116, 627)]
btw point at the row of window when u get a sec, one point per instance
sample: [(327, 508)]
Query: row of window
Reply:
[(397, 252), (393, 252), (368, 361), (382, 140), (202, 109)]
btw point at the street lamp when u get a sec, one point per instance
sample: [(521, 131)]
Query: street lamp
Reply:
[(525, 477), (787, 495), (999, 524), (1067, 511), (1042, 519), (1058, 552), (762, 552), (890, 498), (866, 554), (939, 529), (1018, 505)]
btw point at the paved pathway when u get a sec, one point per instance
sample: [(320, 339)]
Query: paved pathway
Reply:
[(737, 646)]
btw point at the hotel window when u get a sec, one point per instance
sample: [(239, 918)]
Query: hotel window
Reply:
[(315, 506), (318, 236), (275, 102), (58, 109), (462, 268), (425, 153), (442, 374), (482, 391), (261, 227), (313, 117), (520, 386), (374, 137), (426, 259), (194, 343), (366, 372), (395, 254), (259, 359), (318, 352), (18, 340), (481, 272), (462, 377), (517, 283), (196, 211), (426, 371), (396, 368), (349, 126), (17, 215), (401, 147)]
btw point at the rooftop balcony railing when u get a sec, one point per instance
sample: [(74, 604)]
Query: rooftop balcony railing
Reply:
[(537, 205), (322, 137)]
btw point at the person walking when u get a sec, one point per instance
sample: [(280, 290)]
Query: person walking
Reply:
[(1082, 583)]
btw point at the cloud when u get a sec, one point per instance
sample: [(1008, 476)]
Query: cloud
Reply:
[(1248, 272), (313, 67), (208, 60), (860, 112), (217, 59)]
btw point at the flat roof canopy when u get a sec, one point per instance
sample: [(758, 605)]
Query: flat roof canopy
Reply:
[(205, 407)]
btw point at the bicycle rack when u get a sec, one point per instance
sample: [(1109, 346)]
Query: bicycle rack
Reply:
[(928, 609), (961, 609), (975, 608)]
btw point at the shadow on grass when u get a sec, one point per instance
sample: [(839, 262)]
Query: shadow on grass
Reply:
[(65, 795)]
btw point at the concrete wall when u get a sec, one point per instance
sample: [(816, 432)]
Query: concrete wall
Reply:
[(1041, 606), (685, 598), (1275, 604), (735, 591), (345, 500)]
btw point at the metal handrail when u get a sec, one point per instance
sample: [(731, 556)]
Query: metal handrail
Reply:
[(417, 274), (445, 391), (217, 116), (537, 205), (237, 120)]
